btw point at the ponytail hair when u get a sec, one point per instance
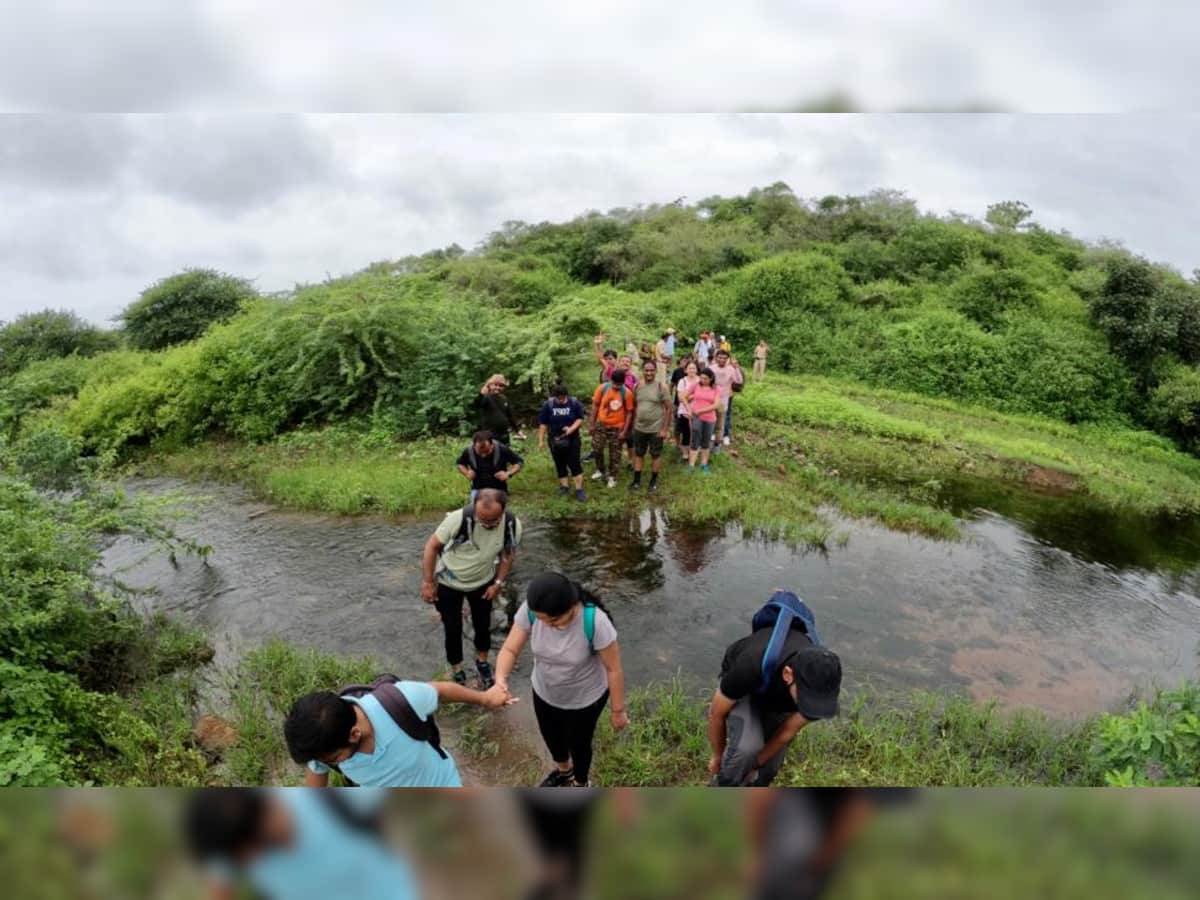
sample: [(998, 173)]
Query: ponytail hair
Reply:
[(554, 594)]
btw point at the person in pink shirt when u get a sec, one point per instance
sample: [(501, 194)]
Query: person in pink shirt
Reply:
[(727, 373), (701, 403)]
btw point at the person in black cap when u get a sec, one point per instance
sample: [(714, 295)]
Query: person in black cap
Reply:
[(750, 728)]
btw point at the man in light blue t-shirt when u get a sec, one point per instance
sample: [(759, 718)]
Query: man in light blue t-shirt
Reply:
[(293, 844), (362, 740)]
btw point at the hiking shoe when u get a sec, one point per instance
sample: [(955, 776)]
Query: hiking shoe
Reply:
[(597, 475), (705, 469), (653, 489), (580, 495), (635, 486), (612, 482), (460, 677), (484, 670), (558, 778), (563, 490), (725, 440)]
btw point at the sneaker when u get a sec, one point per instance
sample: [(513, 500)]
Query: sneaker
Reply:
[(558, 778), (612, 482), (635, 486), (484, 670), (690, 469), (586, 784), (597, 475), (588, 457), (580, 495), (725, 440), (653, 489), (460, 677), (705, 469), (563, 490)]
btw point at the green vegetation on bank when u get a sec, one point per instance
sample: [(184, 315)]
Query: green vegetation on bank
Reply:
[(919, 740)]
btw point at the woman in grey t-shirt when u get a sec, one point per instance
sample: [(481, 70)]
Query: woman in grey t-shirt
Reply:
[(572, 678)]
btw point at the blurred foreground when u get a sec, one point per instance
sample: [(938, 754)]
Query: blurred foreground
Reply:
[(649, 843)]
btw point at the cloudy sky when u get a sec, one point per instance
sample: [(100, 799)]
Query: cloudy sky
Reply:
[(617, 56), (98, 207)]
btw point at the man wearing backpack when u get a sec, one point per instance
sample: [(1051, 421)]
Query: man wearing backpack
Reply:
[(468, 557), (379, 735), (774, 682), (294, 845), (610, 422), (487, 463)]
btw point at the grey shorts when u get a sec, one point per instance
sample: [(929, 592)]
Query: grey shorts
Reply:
[(702, 434)]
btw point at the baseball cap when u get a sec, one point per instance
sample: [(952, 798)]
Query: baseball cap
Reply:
[(818, 673)]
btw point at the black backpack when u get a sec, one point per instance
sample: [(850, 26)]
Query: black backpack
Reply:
[(396, 705), (474, 457)]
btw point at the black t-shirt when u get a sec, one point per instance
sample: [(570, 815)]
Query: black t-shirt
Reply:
[(495, 414), (485, 471), (741, 671)]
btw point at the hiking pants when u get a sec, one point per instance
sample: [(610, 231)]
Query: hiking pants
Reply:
[(760, 368), (568, 733), (450, 606), (566, 459), (610, 439), (683, 428), (745, 736)]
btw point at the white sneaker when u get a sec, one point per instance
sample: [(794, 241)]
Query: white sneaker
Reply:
[(725, 440), (612, 482), (596, 476)]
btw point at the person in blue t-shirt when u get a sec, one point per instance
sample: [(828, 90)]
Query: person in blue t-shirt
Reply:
[(293, 844), (562, 417), (358, 736)]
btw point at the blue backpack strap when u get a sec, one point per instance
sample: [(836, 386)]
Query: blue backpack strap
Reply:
[(589, 624), (788, 608), (774, 651)]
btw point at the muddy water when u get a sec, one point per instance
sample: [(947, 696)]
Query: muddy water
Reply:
[(1005, 614)]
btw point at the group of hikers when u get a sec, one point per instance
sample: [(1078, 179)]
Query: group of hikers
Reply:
[(773, 682)]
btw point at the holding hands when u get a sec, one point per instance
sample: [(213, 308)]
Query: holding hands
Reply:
[(498, 697)]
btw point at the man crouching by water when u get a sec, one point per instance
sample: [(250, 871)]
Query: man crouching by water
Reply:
[(760, 707)]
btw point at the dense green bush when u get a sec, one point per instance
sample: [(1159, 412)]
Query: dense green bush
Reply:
[(1174, 406), (410, 353), (1158, 743), (180, 308), (49, 334), (73, 656), (39, 384)]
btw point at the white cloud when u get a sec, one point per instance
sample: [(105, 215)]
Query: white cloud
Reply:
[(330, 194), (537, 55)]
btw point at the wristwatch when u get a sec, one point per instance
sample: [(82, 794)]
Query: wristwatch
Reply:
[(499, 582)]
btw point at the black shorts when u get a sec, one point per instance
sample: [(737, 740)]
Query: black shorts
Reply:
[(643, 441)]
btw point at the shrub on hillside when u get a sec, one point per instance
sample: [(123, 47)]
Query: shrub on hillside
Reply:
[(772, 292), (1174, 406), (37, 385), (180, 308), (50, 334), (985, 295)]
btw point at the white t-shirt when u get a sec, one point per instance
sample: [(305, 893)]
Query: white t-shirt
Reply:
[(566, 673)]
